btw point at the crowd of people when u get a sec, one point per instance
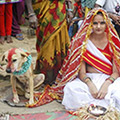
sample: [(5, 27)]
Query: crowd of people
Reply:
[(81, 68)]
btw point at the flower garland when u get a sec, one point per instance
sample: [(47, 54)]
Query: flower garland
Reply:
[(25, 66)]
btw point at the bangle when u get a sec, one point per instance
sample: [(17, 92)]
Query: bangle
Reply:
[(86, 79), (111, 79), (31, 14)]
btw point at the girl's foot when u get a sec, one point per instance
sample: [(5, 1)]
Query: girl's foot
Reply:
[(9, 39), (2, 39)]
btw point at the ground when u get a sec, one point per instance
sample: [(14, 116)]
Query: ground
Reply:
[(5, 87)]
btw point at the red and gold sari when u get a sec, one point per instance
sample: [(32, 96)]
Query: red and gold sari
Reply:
[(75, 55), (52, 37)]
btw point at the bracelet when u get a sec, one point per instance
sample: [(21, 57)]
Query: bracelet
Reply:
[(86, 79), (31, 14), (111, 79)]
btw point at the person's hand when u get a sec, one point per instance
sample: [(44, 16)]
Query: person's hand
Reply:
[(33, 22), (70, 15), (103, 90), (115, 18), (93, 89)]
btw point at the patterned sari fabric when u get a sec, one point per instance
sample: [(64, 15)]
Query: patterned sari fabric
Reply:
[(9, 1), (75, 54), (52, 37)]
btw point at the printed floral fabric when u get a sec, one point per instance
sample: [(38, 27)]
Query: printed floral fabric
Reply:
[(52, 37)]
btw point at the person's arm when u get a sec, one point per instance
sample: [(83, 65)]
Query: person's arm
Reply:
[(104, 88), (115, 18), (69, 8), (74, 13), (31, 15), (78, 19), (29, 6), (87, 80), (115, 73)]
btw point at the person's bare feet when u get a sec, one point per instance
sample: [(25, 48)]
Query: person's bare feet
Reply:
[(2, 39), (9, 39)]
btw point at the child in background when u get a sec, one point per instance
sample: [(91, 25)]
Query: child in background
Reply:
[(6, 20), (76, 20)]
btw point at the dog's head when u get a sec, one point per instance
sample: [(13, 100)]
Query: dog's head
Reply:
[(14, 59)]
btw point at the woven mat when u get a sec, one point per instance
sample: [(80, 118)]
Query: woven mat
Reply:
[(61, 115)]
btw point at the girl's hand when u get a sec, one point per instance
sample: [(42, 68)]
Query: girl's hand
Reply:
[(103, 90), (93, 89)]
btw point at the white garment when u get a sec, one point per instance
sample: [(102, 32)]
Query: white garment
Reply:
[(108, 5), (79, 23), (76, 93)]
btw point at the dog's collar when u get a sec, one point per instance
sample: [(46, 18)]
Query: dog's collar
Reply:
[(25, 66)]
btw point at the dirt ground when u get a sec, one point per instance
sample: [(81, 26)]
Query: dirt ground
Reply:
[(5, 87)]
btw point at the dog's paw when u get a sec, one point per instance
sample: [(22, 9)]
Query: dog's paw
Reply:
[(16, 100)]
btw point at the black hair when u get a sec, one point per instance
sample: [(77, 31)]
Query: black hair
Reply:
[(99, 13)]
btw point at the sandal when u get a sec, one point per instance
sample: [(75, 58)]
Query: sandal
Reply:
[(19, 36), (2, 39), (9, 39)]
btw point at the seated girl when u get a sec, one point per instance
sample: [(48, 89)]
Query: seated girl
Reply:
[(96, 49)]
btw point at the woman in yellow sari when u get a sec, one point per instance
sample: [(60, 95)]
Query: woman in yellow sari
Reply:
[(52, 36)]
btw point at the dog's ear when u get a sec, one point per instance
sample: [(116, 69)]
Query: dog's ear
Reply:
[(3, 58), (23, 53)]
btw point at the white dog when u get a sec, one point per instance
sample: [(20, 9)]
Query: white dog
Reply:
[(19, 66)]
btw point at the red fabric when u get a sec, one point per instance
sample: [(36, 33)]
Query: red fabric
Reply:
[(79, 9), (107, 53), (5, 19), (101, 65)]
